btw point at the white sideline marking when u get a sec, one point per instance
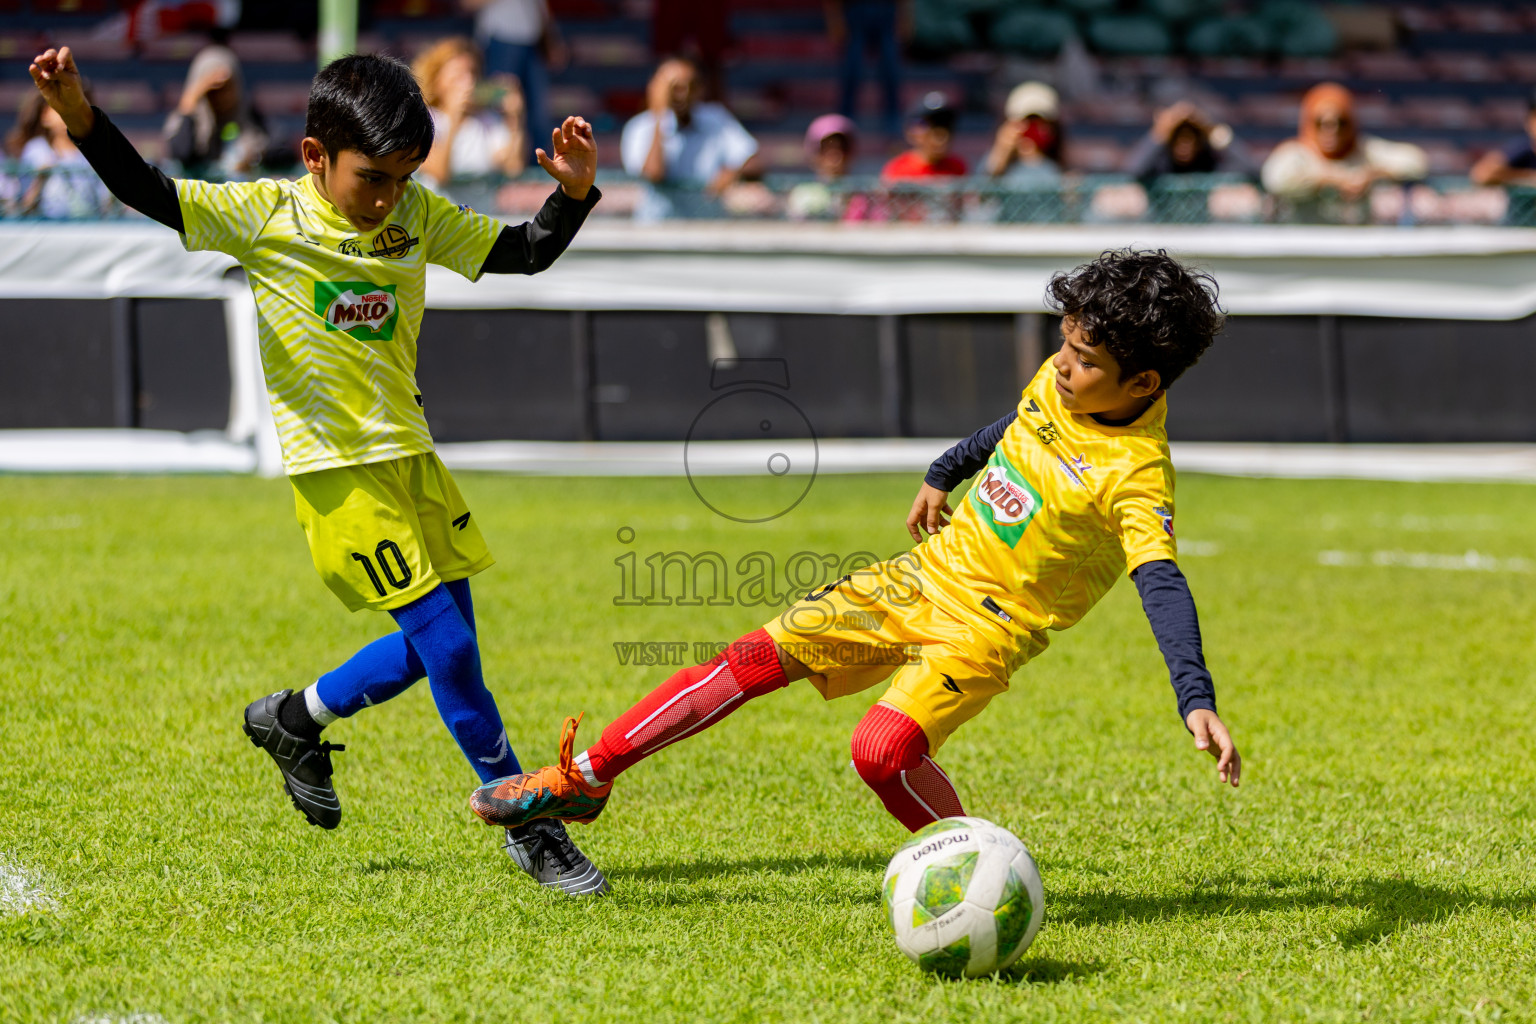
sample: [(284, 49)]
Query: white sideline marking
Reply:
[(1471, 561), (127, 1018), (20, 890)]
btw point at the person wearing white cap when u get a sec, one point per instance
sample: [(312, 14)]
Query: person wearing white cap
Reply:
[(1027, 149)]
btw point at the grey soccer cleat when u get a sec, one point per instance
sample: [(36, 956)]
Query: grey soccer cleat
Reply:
[(305, 763), (543, 850)]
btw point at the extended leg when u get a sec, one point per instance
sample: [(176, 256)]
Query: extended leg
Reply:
[(692, 700)]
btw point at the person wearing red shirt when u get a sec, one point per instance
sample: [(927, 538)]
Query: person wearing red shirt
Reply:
[(930, 129)]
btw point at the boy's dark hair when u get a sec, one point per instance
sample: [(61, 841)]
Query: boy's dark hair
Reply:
[(370, 103), (1145, 307)]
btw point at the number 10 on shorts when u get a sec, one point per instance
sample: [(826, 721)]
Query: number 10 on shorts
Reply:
[(390, 562)]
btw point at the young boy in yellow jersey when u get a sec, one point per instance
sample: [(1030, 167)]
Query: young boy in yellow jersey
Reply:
[(1076, 488), (337, 262)]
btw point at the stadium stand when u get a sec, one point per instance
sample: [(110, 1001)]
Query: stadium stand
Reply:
[(1452, 77)]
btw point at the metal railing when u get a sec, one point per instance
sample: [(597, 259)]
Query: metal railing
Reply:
[(75, 193)]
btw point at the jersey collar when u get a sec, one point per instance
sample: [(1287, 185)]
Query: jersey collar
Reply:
[(324, 209)]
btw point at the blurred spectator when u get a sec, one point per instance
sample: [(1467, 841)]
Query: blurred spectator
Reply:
[(856, 25), (1184, 141), (697, 29), (829, 148), (1027, 149), (215, 126), (930, 130), (520, 39), (469, 140), (1330, 154), (55, 181), (678, 140), (1515, 164)]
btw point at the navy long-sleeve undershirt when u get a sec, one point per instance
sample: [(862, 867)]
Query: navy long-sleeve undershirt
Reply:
[(1165, 596), (519, 249)]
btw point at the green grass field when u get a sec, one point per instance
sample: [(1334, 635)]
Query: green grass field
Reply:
[(1377, 863)]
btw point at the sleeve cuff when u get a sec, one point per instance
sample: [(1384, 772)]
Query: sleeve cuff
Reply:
[(1196, 704), (934, 478), (593, 195)]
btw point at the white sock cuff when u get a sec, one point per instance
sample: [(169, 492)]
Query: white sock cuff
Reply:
[(322, 715), (585, 764)]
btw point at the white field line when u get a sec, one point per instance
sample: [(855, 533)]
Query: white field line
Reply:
[(1471, 561), (20, 890), (127, 1018)]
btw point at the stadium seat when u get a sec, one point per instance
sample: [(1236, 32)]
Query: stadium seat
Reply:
[(174, 49), (1181, 11), (1440, 113), (126, 98), (271, 47), (941, 29), (1519, 67), (1034, 32), (1237, 68), (1504, 113), (1376, 112), (1299, 29), (1088, 8), (1461, 67), (610, 51), (279, 98), (1238, 35), (1387, 67), (1483, 18), (1129, 34), (1271, 110)]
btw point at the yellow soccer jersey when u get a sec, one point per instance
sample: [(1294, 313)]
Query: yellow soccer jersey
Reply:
[(338, 311), (1063, 507)]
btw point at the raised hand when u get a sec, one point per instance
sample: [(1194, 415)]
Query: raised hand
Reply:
[(58, 79), (572, 159)]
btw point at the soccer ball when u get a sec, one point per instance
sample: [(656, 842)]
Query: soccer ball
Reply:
[(964, 898)]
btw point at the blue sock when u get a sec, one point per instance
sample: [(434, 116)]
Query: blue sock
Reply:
[(389, 665), (383, 669), (443, 638)]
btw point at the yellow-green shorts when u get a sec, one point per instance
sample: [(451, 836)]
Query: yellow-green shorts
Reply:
[(876, 625), (384, 534)]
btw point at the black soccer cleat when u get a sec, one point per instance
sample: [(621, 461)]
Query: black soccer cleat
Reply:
[(305, 763), (543, 850)]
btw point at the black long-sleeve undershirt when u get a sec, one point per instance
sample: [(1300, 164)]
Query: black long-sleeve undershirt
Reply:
[(519, 249), (128, 175), (965, 459), (1165, 596)]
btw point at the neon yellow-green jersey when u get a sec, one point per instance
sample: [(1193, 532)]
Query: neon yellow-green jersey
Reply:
[(339, 311)]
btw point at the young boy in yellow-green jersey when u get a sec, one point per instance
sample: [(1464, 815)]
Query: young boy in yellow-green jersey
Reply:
[(337, 262)]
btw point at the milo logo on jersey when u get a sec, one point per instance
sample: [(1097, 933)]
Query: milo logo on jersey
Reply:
[(364, 310), (1005, 499)]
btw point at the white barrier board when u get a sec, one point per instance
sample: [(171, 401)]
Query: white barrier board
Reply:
[(1454, 273)]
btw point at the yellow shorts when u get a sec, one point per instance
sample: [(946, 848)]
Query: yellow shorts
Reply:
[(876, 625), (384, 534)]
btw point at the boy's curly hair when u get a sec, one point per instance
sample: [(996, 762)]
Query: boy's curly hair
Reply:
[(1144, 306)]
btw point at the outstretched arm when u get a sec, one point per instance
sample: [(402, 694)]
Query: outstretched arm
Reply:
[(948, 470), (531, 247), (112, 156), (1170, 609)]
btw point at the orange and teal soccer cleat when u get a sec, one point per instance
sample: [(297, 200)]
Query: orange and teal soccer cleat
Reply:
[(555, 791)]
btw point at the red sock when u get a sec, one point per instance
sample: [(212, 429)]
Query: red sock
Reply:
[(691, 700), (890, 753)]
